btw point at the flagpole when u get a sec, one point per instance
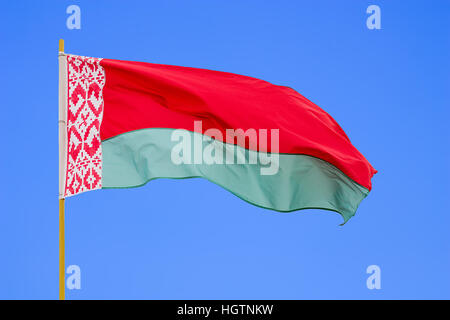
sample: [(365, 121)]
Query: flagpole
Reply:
[(62, 293), (62, 149)]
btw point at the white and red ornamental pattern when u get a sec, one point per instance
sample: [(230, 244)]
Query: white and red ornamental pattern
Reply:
[(86, 78)]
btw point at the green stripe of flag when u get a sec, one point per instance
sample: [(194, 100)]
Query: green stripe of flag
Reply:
[(301, 182)]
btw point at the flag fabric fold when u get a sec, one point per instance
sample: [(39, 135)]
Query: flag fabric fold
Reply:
[(132, 122)]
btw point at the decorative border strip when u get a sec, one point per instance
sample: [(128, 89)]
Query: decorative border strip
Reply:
[(62, 122), (85, 79)]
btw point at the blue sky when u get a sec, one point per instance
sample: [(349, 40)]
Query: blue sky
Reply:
[(190, 239)]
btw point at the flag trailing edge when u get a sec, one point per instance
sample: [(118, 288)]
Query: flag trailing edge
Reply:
[(124, 121)]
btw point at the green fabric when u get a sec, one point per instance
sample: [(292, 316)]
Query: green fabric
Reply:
[(302, 182)]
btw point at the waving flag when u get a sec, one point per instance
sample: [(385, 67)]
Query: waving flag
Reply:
[(130, 122)]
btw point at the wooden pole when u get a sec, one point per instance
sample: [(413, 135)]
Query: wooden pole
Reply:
[(62, 271)]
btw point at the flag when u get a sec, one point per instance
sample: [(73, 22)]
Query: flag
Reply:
[(128, 123)]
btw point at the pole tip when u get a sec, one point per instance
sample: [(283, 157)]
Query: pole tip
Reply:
[(61, 45)]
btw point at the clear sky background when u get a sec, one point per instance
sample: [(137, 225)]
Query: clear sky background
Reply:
[(190, 239)]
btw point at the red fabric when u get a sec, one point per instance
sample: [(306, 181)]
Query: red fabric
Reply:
[(141, 95)]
